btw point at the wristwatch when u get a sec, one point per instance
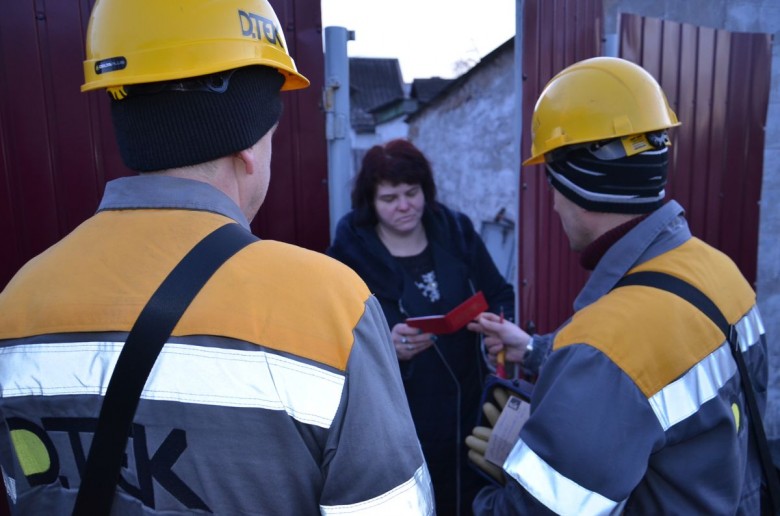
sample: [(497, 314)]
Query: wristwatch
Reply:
[(528, 348)]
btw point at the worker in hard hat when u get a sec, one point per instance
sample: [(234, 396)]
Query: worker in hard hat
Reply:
[(274, 386), (639, 407)]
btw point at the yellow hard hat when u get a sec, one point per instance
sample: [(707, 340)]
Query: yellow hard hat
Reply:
[(594, 100), (144, 41)]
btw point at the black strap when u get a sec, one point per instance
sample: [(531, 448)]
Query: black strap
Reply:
[(144, 343), (698, 299)]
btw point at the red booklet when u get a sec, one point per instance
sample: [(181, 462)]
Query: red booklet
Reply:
[(455, 319)]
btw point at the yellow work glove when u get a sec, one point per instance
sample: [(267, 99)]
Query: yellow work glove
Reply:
[(480, 435)]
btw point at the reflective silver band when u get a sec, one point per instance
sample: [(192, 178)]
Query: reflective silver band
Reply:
[(555, 491), (685, 396), (750, 328), (228, 378), (674, 403), (411, 497)]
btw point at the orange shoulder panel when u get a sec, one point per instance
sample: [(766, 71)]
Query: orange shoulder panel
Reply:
[(100, 277), (283, 297), (655, 336)]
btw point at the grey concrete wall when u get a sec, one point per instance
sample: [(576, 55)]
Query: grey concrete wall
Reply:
[(468, 138), (740, 16), (769, 248)]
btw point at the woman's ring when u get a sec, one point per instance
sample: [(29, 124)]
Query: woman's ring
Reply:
[(409, 347), (404, 340)]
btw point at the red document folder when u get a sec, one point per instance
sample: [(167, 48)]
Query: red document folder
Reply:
[(455, 319)]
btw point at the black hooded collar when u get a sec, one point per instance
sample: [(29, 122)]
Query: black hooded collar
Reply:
[(360, 248)]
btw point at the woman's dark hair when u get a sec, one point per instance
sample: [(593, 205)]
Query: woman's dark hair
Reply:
[(397, 161)]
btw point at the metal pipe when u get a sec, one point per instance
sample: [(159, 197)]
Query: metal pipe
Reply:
[(337, 123), (518, 148)]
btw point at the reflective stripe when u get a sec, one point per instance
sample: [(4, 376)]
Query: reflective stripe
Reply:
[(555, 491), (750, 328), (10, 485), (686, 395), (674, 403), (683, 397), (182, 373), (412, 497)]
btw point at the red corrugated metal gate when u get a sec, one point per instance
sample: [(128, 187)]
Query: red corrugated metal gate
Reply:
[(718, 84), (57, 146), (555, 34)]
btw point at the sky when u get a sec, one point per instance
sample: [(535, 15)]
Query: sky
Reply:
[(429, 37)]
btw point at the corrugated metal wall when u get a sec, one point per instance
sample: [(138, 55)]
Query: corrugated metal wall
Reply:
[(57, 146), (296, 209), (556, 33), (718, 84), (54, 143)]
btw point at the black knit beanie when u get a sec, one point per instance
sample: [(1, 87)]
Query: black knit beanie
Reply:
[(181, 123), (631, 185)]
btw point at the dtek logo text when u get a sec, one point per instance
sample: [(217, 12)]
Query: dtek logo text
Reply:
[(45, 463), (258, 27)]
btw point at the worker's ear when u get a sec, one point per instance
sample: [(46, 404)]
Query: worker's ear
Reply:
[(251, 159), (246, 161)]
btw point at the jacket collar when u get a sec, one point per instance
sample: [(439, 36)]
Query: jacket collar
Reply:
[(659, 232), (364, 252), (154, 191)]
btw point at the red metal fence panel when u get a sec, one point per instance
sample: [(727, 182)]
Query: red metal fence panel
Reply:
[(57, 147), (556, 33), (296, 209), (718, 84)]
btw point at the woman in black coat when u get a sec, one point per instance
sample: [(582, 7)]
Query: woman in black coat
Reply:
[(420, 258)]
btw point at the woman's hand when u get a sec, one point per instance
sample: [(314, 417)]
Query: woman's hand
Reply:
[(408, 341), (501, 335)]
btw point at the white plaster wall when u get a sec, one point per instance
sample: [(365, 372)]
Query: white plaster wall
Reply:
[(364, 140), (396, 128), (468, 138)]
